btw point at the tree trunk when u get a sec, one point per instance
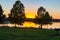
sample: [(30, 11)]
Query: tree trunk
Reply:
[(15, 24), (41, 26)]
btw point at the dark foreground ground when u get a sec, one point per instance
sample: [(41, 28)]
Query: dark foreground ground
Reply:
[(27, 34)]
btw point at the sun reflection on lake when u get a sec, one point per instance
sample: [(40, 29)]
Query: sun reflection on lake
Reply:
[(30, 24)]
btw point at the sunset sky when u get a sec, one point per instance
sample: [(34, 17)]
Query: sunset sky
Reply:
[(31, 6)]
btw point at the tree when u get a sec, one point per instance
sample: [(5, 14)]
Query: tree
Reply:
[(43, 17), (1, 14), (17, 13), (41, 12), (47, 18)]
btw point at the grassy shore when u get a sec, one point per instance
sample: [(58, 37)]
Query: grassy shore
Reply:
[(27, 34)]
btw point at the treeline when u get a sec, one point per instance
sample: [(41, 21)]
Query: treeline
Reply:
[(17, 15), (56, 20)]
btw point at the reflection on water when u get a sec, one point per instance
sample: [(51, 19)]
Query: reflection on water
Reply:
[(31, 24), (54, 25)]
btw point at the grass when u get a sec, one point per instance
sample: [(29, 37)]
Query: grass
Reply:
[(27, 34)]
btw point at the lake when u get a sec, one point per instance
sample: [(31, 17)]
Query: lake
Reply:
[(33, 25)]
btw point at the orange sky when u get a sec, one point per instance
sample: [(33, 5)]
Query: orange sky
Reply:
[(32, 14)]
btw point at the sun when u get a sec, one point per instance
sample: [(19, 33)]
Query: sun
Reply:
[(30, 15)]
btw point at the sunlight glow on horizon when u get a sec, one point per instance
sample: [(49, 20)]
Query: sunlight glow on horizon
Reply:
[(30, 15), (33, 15)]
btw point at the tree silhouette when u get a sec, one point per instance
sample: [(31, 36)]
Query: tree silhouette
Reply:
[(43, 17), (1, 14), (4, 16), (17, 13), (41, 12), (47, 18)]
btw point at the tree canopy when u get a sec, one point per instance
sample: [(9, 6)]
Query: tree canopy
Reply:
[(17, 14), (43, 17)]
